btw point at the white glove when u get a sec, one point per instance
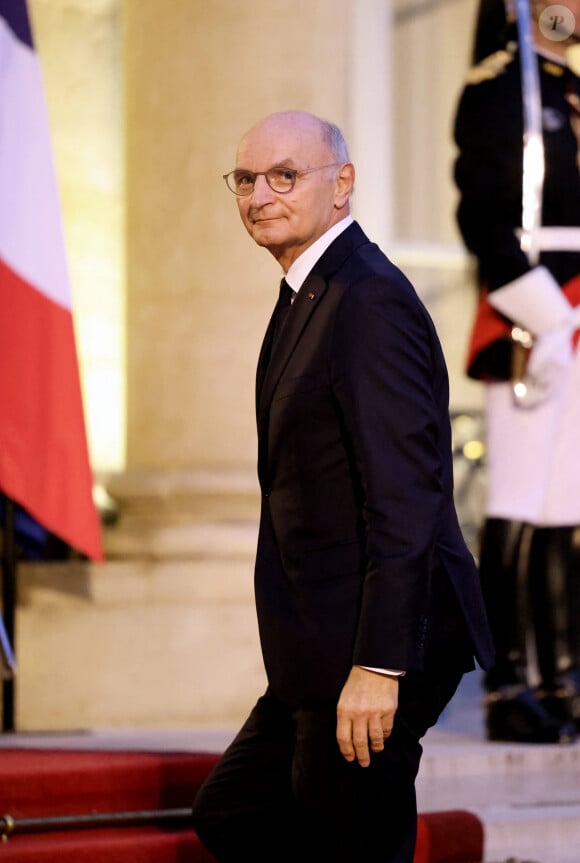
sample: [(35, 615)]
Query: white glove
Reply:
[(536, 302), (551, 354)]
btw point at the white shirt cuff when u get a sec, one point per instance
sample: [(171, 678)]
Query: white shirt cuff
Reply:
[(389, 672)]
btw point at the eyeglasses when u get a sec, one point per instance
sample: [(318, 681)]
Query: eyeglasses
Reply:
[(281, 180)]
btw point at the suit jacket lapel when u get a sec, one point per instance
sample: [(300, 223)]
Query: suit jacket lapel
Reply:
[(269, 370)]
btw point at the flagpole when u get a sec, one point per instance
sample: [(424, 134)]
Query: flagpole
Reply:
[(533, 155), (8, 616), (532, 179)]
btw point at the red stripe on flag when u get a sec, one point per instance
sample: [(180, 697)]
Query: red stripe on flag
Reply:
[(44, 463)]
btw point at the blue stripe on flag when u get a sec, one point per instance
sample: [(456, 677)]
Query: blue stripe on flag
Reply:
[(16, 16)]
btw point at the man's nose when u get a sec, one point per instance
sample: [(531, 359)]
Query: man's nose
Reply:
[(262, 193)]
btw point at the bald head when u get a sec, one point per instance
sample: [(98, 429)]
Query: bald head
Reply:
[(323, 130), (312, 154)]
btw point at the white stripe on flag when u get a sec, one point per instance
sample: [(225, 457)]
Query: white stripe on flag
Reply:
[(31, 235)]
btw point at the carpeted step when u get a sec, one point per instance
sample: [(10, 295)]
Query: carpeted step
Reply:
[(121, 845), (446, 837), (40, 783), (46, 783), (455, 836)]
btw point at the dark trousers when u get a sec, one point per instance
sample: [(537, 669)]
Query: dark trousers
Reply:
[(283, 793), (530, 578)]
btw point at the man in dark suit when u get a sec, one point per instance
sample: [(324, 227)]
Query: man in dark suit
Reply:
[(368, 601)]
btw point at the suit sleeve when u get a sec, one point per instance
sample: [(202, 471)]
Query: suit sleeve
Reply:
[(388, 378)]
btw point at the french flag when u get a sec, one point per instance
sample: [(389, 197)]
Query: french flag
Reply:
[(44, 462)]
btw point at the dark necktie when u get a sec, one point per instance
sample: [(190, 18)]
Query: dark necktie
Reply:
[(282, 309), (279, 314)]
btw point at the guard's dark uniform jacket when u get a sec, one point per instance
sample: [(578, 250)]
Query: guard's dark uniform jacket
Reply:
[(488, 174)]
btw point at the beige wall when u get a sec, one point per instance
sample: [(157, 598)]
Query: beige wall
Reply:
[(199, 293), (432, 47)]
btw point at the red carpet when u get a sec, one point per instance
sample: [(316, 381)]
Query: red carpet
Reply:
[(47, 783), (41, 783), (121, 845), (449, 837)]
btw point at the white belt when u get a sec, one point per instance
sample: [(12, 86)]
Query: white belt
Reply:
[(556, 239)]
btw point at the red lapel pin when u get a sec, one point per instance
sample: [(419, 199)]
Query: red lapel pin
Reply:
[(311, 295)]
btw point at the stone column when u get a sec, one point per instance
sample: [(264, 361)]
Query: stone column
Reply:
[(199, 295), (198, 74)]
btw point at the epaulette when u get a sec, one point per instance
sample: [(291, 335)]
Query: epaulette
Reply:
[(489, 68), (552, 69)]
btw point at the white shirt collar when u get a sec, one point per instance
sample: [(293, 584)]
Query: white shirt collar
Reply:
[(298, 271)]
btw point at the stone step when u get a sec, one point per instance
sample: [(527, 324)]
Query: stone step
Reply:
[(527, 797), (151, 642), (535, 834)]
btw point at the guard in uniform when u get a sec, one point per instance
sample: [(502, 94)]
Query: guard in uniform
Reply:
[(530, 546)]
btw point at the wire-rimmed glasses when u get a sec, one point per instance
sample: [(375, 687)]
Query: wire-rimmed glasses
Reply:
[(280, 179)]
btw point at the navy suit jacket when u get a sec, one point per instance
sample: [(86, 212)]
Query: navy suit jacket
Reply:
[(360, 558)]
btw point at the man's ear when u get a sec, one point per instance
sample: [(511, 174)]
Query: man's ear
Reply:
[(344, 184)]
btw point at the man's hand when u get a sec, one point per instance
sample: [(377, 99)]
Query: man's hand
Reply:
[(366, 711)]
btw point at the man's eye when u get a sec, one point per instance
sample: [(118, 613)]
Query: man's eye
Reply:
[(282, 175), (243, 178)]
